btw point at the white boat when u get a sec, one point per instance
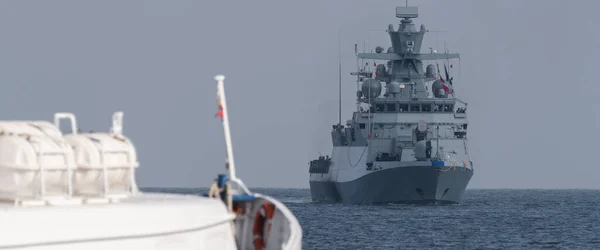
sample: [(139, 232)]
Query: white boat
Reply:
[(78, 191)]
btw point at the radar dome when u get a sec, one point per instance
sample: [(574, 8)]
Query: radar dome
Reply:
[(421, 150), (378, 49), (393, 87), (430, 71), (390, 50), (371, 87)]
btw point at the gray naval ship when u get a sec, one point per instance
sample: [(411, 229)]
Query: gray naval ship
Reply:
[(407, 145)]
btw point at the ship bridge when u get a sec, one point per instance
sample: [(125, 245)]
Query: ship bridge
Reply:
[(424, 105)]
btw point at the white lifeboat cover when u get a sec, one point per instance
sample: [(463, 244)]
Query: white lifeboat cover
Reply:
[(40, 128), (96, 150), (27, 148), (21, 143)]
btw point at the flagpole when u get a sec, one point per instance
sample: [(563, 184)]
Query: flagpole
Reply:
[(225, 116)]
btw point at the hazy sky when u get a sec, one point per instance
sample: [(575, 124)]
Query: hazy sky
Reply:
[(527, 71)]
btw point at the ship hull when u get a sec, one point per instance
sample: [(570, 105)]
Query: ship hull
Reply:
[(402, 185), (324, 191)]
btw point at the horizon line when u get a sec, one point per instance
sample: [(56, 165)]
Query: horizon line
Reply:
[(487, 188)]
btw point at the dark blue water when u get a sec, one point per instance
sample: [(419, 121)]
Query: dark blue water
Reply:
[(486, 219)]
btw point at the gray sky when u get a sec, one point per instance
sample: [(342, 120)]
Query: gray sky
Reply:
[(526, 71)]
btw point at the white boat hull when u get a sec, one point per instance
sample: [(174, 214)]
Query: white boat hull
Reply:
[(145, 221), (148, 221)]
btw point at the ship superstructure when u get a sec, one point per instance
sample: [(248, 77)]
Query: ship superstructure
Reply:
[(407, 144)]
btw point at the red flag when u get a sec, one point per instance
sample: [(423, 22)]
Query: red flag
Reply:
[(448, 90), (445, 88), (440, 74), (220, 112)]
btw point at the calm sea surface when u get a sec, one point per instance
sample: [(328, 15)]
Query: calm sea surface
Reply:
[(486, 219)]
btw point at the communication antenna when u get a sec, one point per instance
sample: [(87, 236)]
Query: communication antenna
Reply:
[(357, 76), (340, 81)]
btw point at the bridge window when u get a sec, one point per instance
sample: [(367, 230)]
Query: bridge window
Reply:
[(415, 107), (426, 107), (403, 107), (448, 108), (391, 107), (361, 125)]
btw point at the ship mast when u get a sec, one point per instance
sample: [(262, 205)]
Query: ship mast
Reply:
[(357, 77), (340, 81)]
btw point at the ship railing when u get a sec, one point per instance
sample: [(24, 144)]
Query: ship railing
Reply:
[(386, 157)]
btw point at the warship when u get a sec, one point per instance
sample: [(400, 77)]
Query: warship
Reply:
[(406, 145)]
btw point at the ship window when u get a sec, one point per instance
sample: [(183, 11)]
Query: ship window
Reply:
[(391, 107), (361, 125), (426, 107), (448, 108), (378, 107), (439, 107), (460, 134), (415, 107), (403, 107)]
